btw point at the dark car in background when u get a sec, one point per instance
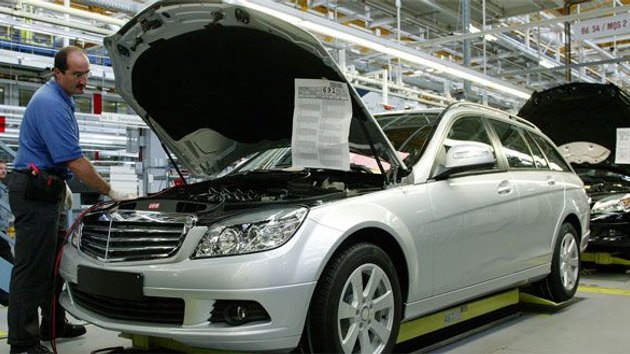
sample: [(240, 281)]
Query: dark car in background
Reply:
[(584, 119)]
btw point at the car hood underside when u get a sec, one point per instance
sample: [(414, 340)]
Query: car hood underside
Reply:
[(216, 82)]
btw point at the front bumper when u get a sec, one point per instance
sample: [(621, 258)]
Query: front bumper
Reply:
[(286, 305), (609, 234)]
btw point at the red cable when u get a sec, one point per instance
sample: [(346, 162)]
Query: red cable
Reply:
[(53, 322), (60, 254)]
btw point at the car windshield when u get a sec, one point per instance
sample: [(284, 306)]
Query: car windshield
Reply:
[(280, 159), (409, 133)]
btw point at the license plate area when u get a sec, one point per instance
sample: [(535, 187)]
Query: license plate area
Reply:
[(114, 284)]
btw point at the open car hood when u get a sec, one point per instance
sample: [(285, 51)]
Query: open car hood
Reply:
[(216, 82), (581, 113)]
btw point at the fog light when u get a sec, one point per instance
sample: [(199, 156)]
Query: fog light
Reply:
[(237, 312)]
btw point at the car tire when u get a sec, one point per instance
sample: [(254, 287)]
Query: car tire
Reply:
[(561, 284), (343, 317)]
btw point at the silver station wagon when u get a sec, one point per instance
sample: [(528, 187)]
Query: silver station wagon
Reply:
[(332, 227)]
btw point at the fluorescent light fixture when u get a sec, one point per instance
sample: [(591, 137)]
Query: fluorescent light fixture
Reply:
[(487, 37), (546, 63), (319, 25), (27, 27), (51, 31)]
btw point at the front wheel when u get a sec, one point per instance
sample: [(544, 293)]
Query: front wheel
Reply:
[(356, 305), (561, 284)]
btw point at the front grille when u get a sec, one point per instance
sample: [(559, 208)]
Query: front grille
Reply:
[(151, 309), (118, 241), (609, 230)]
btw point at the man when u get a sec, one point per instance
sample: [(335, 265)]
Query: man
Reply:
[(48, 144), (5, 215)]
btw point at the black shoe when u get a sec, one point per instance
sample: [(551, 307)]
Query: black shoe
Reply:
[(67, 330), (28, 350)]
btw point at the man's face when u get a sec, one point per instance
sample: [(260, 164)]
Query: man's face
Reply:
[(3, 170), (75, 78)]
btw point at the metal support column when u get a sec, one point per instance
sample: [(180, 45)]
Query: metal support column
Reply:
[(466, 48), (567, 38)]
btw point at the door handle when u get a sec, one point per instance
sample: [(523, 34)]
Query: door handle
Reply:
[(504, 187), (551, 181)]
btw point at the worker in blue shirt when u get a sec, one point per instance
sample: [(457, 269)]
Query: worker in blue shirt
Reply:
[(48, 148)]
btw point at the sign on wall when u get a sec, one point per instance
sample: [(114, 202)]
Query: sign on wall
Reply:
[(603, 27)]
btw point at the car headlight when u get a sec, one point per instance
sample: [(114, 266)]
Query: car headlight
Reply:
[(617, 202), (250, 232)]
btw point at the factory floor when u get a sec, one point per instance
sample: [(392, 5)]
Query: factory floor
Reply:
[(597, 322)]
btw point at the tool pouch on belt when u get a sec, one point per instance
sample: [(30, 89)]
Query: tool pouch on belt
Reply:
[(44, 186)]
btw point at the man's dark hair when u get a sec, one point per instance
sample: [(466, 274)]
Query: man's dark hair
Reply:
[(61, 57)]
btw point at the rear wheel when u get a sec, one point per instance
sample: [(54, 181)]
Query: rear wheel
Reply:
[(356, 305), (561, 284)]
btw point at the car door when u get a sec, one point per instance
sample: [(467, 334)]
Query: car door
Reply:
[(559, 169), (540, 193), (474, 213)]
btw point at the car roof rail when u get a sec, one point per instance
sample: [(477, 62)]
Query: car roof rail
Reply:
[(510, 116), (524, 121)]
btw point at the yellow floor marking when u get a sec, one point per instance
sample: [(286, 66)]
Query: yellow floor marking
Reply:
[(3, 334), (448, 317), (599, 290), (533, 299)]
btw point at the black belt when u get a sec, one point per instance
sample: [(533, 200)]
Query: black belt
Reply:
[(50, 172)]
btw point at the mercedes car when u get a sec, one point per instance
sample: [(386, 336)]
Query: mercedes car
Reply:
[(332, 228)]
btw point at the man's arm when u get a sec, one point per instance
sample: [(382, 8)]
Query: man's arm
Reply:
[(85, 171)]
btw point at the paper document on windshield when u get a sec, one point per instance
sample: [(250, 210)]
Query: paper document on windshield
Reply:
[(321, 124), (622, 150)]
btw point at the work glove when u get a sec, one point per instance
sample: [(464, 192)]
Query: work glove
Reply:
[(118, 195), (67, 203)]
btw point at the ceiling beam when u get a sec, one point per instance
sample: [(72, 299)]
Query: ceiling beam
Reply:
[(497, 30)]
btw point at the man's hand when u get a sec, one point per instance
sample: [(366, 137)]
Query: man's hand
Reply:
[(68, 201), (118, 195)]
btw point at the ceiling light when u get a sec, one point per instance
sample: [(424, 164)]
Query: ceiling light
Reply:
[(546, 63), (487, 37)]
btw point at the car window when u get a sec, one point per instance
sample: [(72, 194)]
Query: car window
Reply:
[(514, 146), (464, 130), (409, 133), (469, 129), (556, 162), (539, 157)]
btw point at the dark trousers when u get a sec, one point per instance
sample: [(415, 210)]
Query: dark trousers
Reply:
[(36, 228)]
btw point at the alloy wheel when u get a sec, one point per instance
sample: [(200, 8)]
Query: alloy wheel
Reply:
[(366, 311), (569, 261)]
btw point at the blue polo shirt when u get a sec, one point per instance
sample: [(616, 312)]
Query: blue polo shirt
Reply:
[(49, 133)]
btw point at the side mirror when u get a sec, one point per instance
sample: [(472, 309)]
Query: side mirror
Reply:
[(466, 157)]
